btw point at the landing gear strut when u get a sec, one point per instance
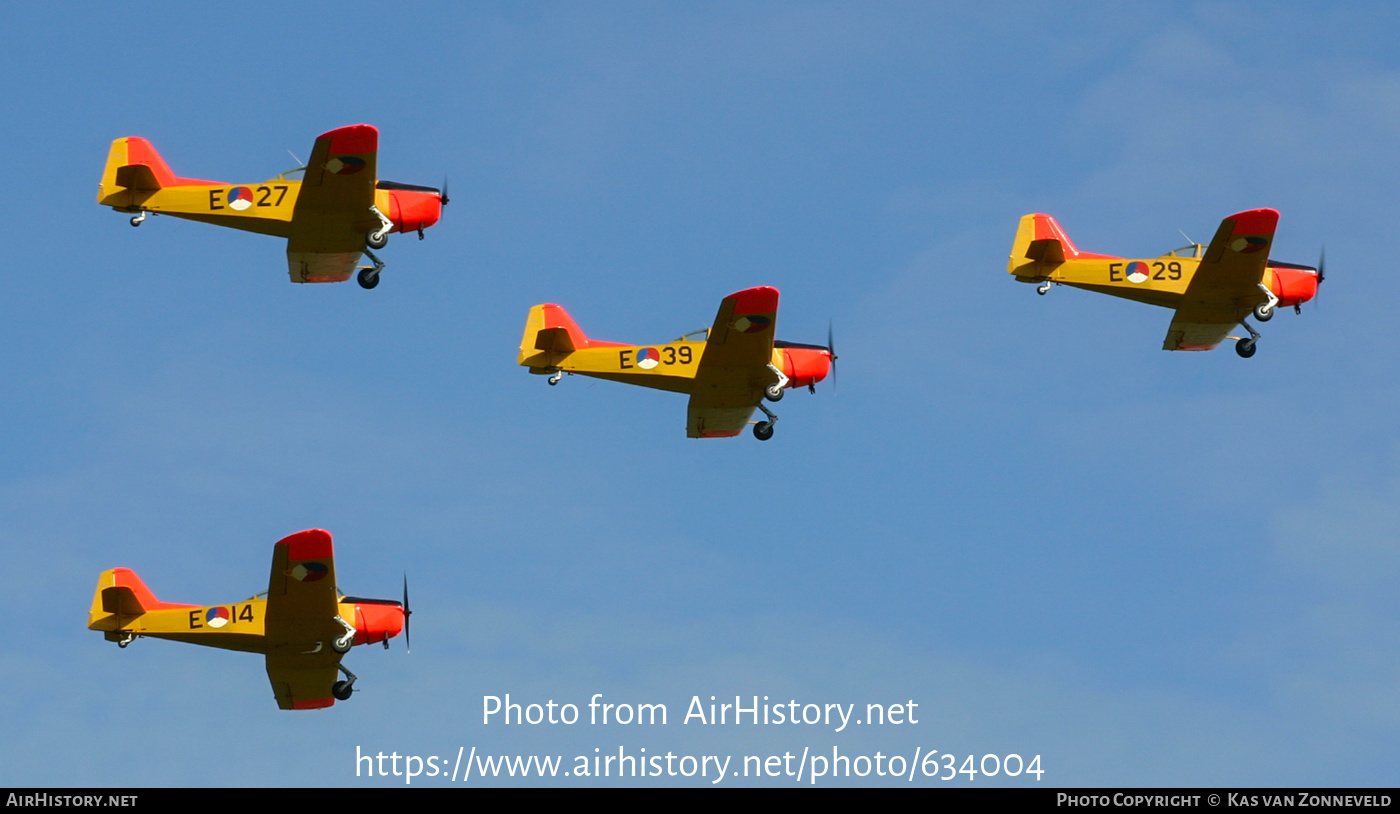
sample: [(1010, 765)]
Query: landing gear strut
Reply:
[(342, 689), (139, 219), (369, 275), (763, 430), (342, 644), (379, 238), (1264, 311), (774, 391), (1245, 347), (126, 639), (1043, 288), (553, 380)]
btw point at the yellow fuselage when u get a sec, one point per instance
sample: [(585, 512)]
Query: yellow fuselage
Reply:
[(265, 208), (1159, 281), (236, 626)]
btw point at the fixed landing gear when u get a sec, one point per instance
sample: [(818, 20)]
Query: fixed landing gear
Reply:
[(139, 219), (1245, 347), (1264, 311), (342, 689), (369, 275), (379, 238), (342, 644), (774, 391), (1043, 288), (554, 379), (126, 639), (763, 430)]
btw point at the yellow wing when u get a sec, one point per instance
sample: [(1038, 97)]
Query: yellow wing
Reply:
[(1225, 286), (734, 368), (301, 621), (332, 214)]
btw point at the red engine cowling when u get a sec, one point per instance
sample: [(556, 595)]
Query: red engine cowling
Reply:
[(377, 621), (412, 210), (1294, 286), (805, 366)]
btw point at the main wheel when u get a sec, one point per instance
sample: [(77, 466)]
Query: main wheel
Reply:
[(342, 649), (1245, 348), (763, 430), (377, 243), (368, 278), (773, 392), (1263, 312), (342, 690)]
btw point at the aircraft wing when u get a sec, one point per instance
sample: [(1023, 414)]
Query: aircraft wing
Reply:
[(332, 217), (300, 622), (1226, 284), (301, 687), (733, 370)]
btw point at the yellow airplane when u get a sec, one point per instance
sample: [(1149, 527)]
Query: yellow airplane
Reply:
[(303, 624), (1211, 288), (727, 369), (334, 208)]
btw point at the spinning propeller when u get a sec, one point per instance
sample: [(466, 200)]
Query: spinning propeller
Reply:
[(831, 348), (407, 643)]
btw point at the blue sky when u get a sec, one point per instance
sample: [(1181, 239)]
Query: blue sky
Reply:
[(1148, 568)]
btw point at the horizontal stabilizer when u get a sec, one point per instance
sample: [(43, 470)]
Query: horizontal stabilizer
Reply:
[(121, 599), (137, 176), (554, 340)]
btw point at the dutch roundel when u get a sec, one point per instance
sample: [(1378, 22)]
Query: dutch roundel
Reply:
[(217, 617), (240, 198)]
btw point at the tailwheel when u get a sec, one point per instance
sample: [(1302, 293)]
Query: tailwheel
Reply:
[(139, 219), (1245, 348)]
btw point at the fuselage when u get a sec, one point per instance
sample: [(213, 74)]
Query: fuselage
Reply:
[(240, 625), (268, 207), (1161, 280), (672, 366)]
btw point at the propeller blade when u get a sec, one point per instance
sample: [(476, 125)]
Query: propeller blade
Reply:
[(443, 195), (407, 642), (831, 348), (1321, 264)]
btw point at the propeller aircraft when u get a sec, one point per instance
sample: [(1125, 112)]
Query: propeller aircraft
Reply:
[(302, 625), (331, 210), (727, 369), (1211, 288)]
